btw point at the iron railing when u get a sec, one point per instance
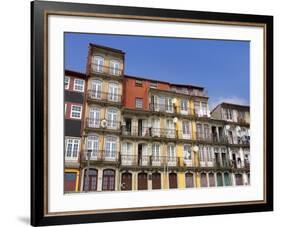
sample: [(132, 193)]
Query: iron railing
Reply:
[(99, 155), (104, 96), (96, 68), (102, 123)]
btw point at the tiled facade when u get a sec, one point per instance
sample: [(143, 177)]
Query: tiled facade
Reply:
[(141, 134)]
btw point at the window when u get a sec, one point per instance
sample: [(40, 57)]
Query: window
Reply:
[(185, 130), (72, 148), (110, 147), (170, 125), (114, 67), (184, 105), (206, 132), (187, 152), (209, 154), (162, 103), (197, 107), (66, 82), (96, 89), (78, 85), (199, 130), (112, 118), (228, 114), (93, 146), (139, 103), (98, 63), (171, 153), (76, 111), (94, 117), (108, 180), (126, 157), (156, 152), (113, 92), (202, 154), (204, 108), (169, 105), (153, 84), (138, 83)]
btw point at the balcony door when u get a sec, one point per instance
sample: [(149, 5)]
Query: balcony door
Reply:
[(94, 117), (155, 127), (127, 154), (113, 92), (186, 130), (96, 89), (110, 148), (170, 127), (112, 118), (98, 63), (156, 154), (143, 158), (172, 160), (93, 147)]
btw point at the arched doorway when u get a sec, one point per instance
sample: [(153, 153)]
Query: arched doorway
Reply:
[(173, 181), (156, 181), (238, 179), (203, 180), (142, 181), (91, 183), (189, 181), (126, 182), (108, 180)]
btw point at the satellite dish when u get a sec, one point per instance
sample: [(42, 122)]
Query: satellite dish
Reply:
[(103, 123), (175, 120), (195, 148), (227, 127), (238, 128), (174, 100)]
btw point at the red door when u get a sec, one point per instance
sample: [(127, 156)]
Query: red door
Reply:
[(126, 182), (156, 181), (173, 181), (142, 181)]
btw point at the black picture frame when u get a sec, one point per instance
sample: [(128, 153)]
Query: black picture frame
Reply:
[(39, 123)]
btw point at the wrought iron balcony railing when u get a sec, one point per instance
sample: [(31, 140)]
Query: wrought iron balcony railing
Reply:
[(211, 137), (156, 107), (102, 69), (145, 160), (102, 123), (93, 155), (104, 96), (149, 132)]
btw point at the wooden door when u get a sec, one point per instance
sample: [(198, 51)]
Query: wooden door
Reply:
[(108, 180), (142, 181), (156, 181), (189, 181), (238, 179), (91, 184), (173, 181), (203, 180), (126, 182)]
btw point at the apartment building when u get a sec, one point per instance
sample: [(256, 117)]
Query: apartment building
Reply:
[(143, 134), (101, 147), (74, 90)]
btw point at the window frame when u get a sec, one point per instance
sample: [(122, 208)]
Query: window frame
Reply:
[(138, 99), (71, 112), (68, 82), (71, 157), (75, 84)]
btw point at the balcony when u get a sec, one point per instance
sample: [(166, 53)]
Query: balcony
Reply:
[(149, 161), (104, 97), (106, 71), (149, 132), (97, 156), (164, 108), (102, 124), (211, 138)]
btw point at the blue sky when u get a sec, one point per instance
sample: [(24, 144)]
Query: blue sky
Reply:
[(221, 66)]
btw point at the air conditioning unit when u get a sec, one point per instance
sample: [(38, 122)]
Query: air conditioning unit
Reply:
[(103, 123)]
